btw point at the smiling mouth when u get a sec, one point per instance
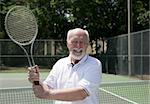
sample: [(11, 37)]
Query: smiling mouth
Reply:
[(77, 52)]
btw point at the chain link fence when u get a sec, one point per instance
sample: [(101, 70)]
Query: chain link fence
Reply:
[(113, 52), (45, 53), (115, 59)]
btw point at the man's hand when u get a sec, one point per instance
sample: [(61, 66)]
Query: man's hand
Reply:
[(33, 74), (42, 91)]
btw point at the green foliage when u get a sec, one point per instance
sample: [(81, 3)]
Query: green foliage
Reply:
[(51, 18), (2, 35), (102, 18), (144, 18), (140, 15)]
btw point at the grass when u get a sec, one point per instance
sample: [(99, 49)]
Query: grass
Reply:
[(19, 70), (117, 78), (105, 77)]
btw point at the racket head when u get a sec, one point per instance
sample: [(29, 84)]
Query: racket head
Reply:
[(21, 25)]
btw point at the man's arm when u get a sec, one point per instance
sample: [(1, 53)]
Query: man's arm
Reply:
[(68, 94), (45, 92)]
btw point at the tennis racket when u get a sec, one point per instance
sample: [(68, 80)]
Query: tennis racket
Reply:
[(21, 27)]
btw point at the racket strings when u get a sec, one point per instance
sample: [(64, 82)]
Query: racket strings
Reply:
[(21, 25)]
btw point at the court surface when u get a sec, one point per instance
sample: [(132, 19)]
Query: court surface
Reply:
[(115, 89)]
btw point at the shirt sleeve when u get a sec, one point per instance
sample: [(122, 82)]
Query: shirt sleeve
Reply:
[(50, 81), (92, 78)]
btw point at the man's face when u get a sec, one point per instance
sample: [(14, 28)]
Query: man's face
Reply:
[(77, 46)]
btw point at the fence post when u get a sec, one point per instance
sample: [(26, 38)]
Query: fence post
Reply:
[(45, 47), (52, 47), (0, 54), (129, 41)]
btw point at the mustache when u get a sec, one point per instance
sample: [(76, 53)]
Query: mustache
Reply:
[(77, 49), (77, 53)]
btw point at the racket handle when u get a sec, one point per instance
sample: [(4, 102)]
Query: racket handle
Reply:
[(36, 83)]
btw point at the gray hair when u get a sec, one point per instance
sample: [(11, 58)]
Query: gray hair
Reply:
[(77, 29)]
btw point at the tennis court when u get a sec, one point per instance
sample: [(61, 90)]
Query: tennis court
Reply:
[(115, 89)]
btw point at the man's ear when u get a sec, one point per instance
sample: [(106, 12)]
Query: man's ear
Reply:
[(67, 44)]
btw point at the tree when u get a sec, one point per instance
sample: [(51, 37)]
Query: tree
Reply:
[(140, 15), (102, 18), (51, 18)]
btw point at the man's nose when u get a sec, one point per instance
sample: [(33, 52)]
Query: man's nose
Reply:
[(78, 44)]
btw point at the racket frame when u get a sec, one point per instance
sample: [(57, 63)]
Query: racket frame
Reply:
[(22, 45)]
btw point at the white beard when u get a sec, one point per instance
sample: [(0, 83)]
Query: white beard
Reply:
[(77, 54)]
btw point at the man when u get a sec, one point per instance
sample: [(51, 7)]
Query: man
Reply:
[(74, 79)]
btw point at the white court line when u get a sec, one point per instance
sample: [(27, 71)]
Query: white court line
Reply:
[(118, 96)]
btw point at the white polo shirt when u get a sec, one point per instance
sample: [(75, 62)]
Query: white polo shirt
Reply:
[(86, 73)]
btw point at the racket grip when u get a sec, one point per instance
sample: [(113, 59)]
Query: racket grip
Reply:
[(36, 83)]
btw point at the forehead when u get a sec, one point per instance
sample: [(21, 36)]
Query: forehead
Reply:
[(77, 35)]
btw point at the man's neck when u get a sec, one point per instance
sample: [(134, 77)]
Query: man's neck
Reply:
[(74, 61)]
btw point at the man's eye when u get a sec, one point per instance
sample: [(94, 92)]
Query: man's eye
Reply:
[(74, 42), (81, 42)]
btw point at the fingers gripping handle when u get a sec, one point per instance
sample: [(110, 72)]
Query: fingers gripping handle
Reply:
[(37, 71), (36, 83), (33, 74)]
